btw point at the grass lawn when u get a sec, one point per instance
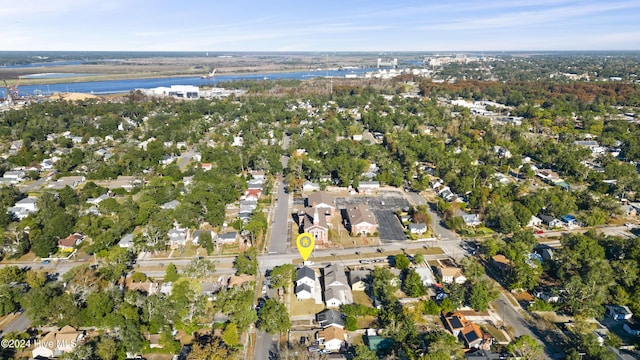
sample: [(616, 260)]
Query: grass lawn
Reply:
[(356, 339), (497, 334), (361, 297), (303, 307), (365, 322)]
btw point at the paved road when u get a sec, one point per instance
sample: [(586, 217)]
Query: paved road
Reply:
[(512, 317), (19, 324), (35, 185), (266, 346), (281, 225)]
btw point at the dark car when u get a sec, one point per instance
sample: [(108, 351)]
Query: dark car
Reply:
[(303, 340)]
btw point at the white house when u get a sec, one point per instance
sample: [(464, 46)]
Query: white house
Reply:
[(417, 229), (305, 275), (452, 274), (178, 237), (23, 208), (126, 241), (14, 176), (332, 338), (534, 222), (426, 275), (303, 292)]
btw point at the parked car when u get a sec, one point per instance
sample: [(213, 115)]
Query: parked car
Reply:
[(44, 262), (303, 340), (313, 349), (539, 232)]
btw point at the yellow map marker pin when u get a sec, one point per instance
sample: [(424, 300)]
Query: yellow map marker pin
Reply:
[(305, 243)]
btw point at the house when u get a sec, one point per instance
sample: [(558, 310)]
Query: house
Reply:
[(258, 174), (227, 238), (628, 210), (126, 241), (631, 328), (417, 229), (359, 279), (595, 148), (534, 222), (368, 186), (303, 292), (452, 274), (67, 244), (426, 275), (332, 338), (171, 205), (154, 341), (240, 280), (454, 323), (167, 159), (570, 221), (550, 221), (14, 176), (305, 275), (98, 200), (336, 287), (322, 199), (618, 312), (360, 220), (252, 194), (23, 208), (147, 287), (469, 219), (57, 342), (309, 186), (166, 288), (305, 283), (330, 317), (471, 335), (178, 237)]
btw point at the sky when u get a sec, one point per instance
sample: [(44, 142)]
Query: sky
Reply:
[(327, 25)]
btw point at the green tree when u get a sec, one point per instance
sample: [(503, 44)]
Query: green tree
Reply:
[(273, 317), (364, 353), (282, 276), (171, 273), (107, 348), (482, 293), (199, 268), (526, 347), (246, 263), (442, 345), (168, 341), (401, 261), (230, 335), (412, 284), (206, 242), (351, 323), (430, 307), (473, 269)]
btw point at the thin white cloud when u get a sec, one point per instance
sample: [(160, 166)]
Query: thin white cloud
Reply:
[(528, 18)]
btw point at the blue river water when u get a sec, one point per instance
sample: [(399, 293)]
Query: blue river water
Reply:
[(123, 86)]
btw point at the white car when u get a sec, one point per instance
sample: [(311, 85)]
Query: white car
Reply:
[(630, 225)]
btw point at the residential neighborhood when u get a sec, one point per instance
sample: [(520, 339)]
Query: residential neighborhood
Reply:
[(452, 218)]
